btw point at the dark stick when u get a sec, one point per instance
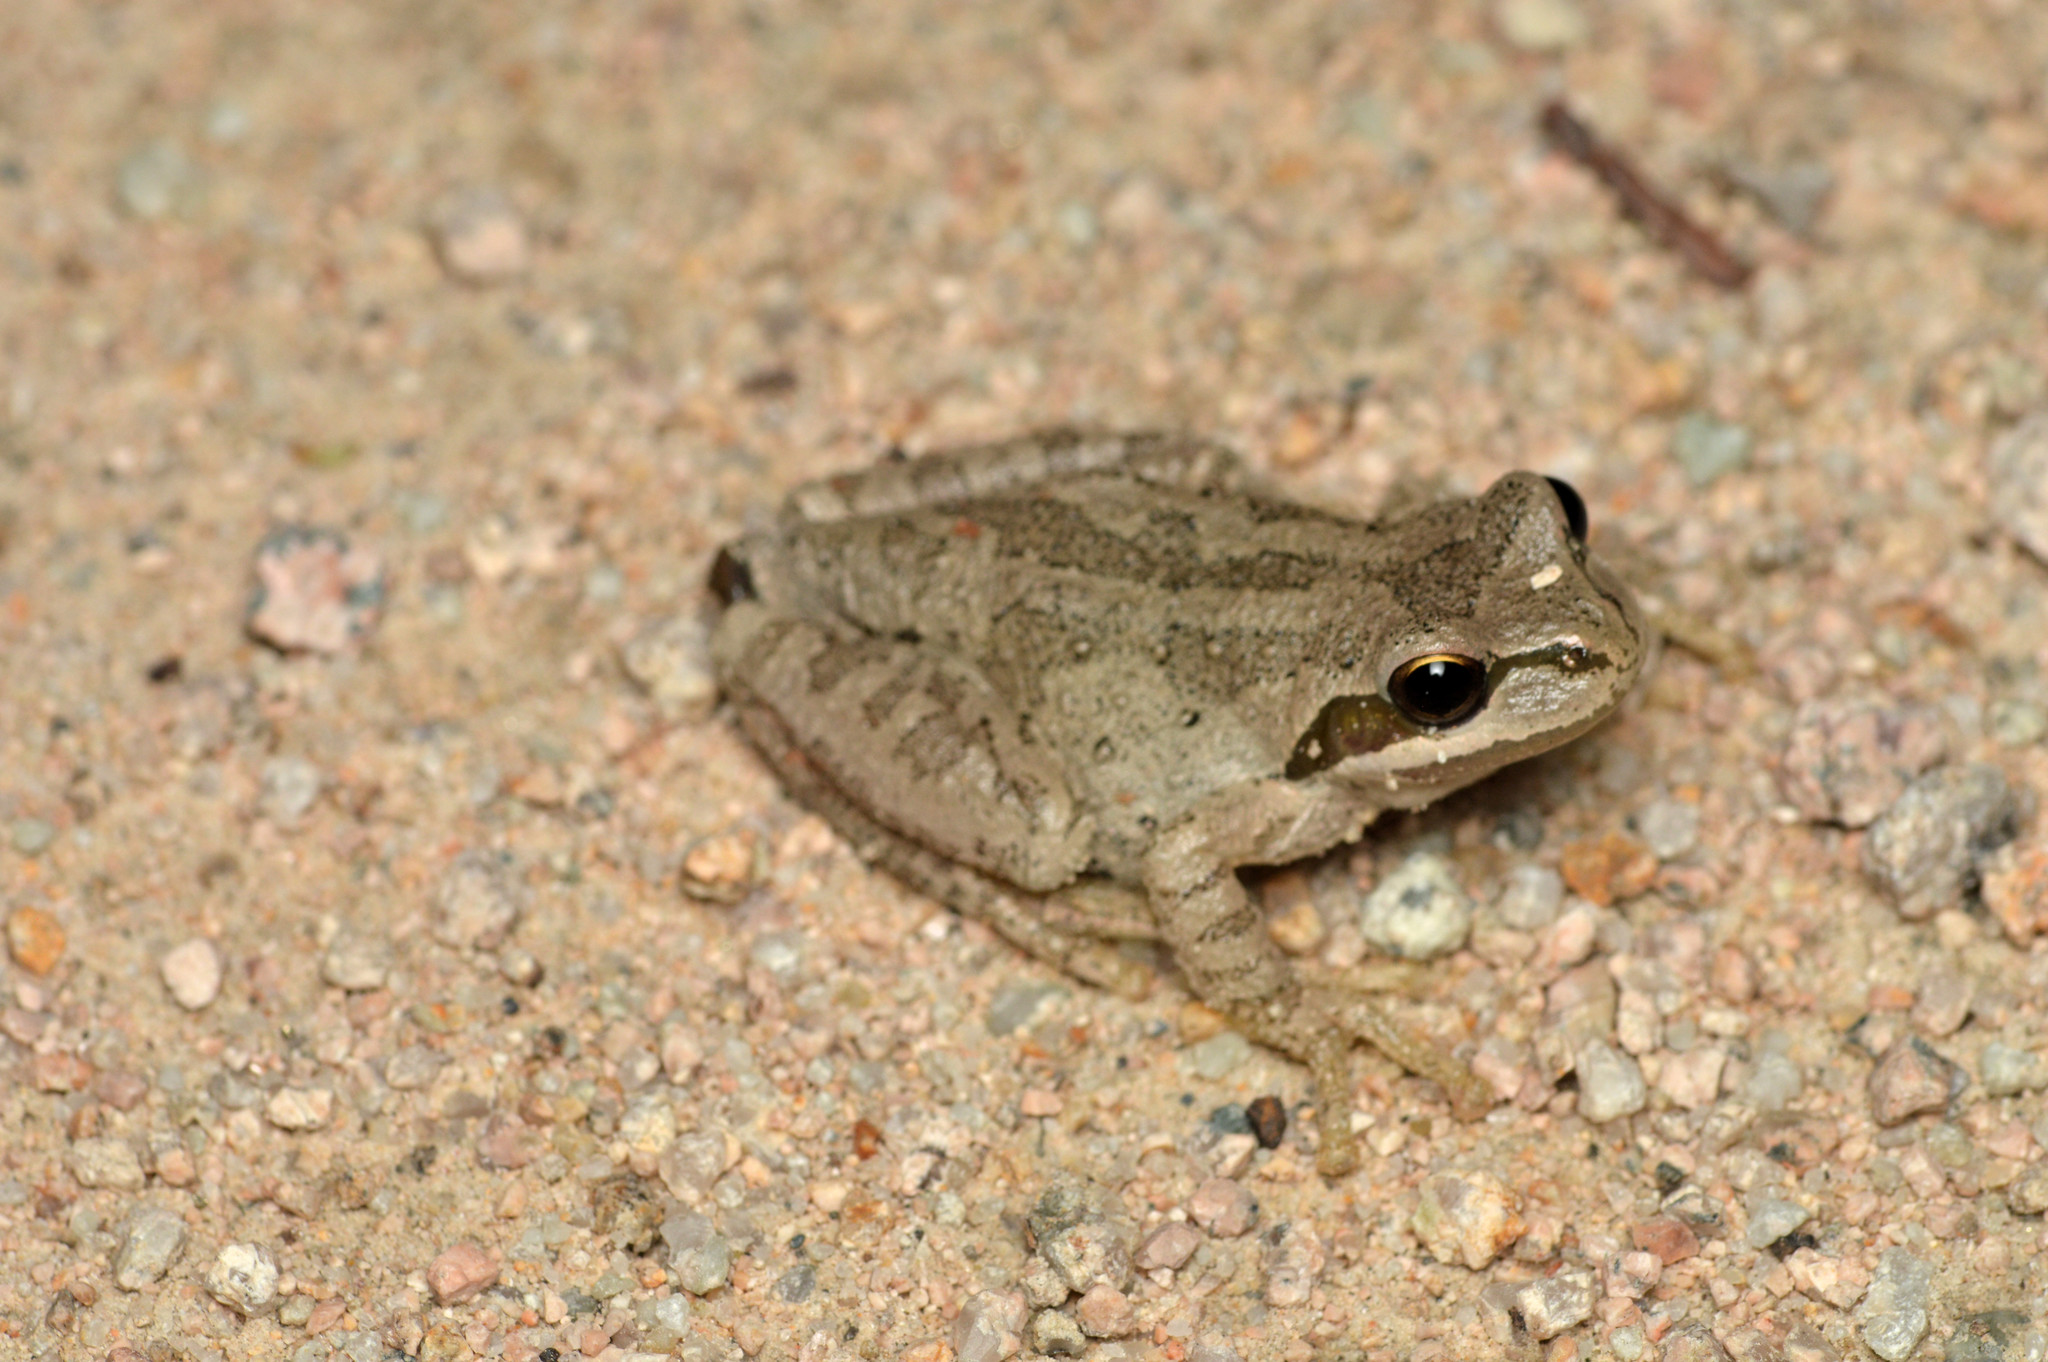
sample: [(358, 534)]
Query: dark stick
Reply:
[(1664, 220)]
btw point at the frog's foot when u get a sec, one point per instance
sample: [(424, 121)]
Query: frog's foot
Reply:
[(1318, 1025)]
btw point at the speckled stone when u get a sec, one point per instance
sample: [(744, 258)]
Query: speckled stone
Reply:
[(1223, 1208), (1893, 1315), (1551, 1305), (1418, 912), (244, 1278), (990, 1327), (1912, 1077), (104, 1162), (1927, 849), (1470, 1218), (149, 1245), (1169, 1246)]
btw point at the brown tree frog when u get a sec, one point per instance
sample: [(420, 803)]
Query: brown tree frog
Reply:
[(1070, 683)]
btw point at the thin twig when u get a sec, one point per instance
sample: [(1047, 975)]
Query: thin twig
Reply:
[(1664, 220)]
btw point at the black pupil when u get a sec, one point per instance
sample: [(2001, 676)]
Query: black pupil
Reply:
[(1439, 690)]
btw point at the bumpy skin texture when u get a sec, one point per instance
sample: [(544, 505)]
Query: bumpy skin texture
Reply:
[(1020, 674)]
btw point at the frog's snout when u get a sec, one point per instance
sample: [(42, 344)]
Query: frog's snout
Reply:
[(731, 580)]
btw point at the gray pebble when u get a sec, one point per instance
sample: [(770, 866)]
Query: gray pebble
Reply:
[(698, 1255), (1669, 827), (2017, 465), (1925, 850), (1772, 1218), (356, 963), (2016, 723), (1209, 1348), (2028, 1195), (670, 659), (295, 1311), (104, 1162), (244, 1278), (1530, 897), (1794, 193), (1893, 1314), (1217, 1057), (990, 1327), (1551, 1305), (1708, 449), (1054, 1335), (1774, 1083), (31, 836), (1610, 1084), (478, 902), (1017, 1003), (2004, 1070), (794, 1287), (289, 787), (412, 1067), (149, 1246), (1042, 1285), (1084, 1234), (155, 181), (1419, 911)]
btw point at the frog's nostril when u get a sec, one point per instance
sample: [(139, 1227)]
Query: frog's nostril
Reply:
[(731, 579)]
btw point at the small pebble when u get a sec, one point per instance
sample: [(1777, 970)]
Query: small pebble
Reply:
[(1105, 1312), (1470, 1218), (357, 963), (35, 940), (1667, 1237), (193, 973), (287, 789), (1169, 1246), (1942, 1004), (670, 659), (459, 1272), (1418, 912), (300, 1108), (1847, 759), (1043, 1287), (1267, 1117), (990, 1327), (1996, 1336), (724, 867), (244, 1278), (1217, 1057), (106, 1163), (478, 902), (1693, 1343), (1018, 1003), (1772, 1218), (1541, 25), (31, 836), (520, 966), (1223, 1208), (1669, 827), (1708, 449), (480, 238), (149, 1245), (1530, 897), (1551, 1305), (2005, 1071), (699, 1256), (1055, 1335), (1607, 869), (1084, 1234), (1927, 850), (1691, 1080), (2016, 723), (1893, 1314), (1610, 1083), (1775, 1081), (1232, 1155), (413, 1066), (1909, 1078), (2017, 483), (314, 592), (157, 180), (2028, 1195), (1293, 1264), (2015, 889)]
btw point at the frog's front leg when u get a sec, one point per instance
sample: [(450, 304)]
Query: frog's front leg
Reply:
[(1220, 941)]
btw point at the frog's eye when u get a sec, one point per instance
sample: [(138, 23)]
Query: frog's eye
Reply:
[(1574, 507), (1438, 689)]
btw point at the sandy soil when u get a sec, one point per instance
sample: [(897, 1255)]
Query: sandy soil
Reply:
[(354, 1000)]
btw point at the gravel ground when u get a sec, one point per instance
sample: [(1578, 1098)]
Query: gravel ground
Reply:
[(403, 953)]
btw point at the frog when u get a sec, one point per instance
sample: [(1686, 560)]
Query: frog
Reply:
[(1074, 683)]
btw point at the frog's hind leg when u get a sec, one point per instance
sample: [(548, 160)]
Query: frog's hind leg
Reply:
[(915, 760)]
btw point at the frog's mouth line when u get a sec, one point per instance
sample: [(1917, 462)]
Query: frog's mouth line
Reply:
[(1358, 725)]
